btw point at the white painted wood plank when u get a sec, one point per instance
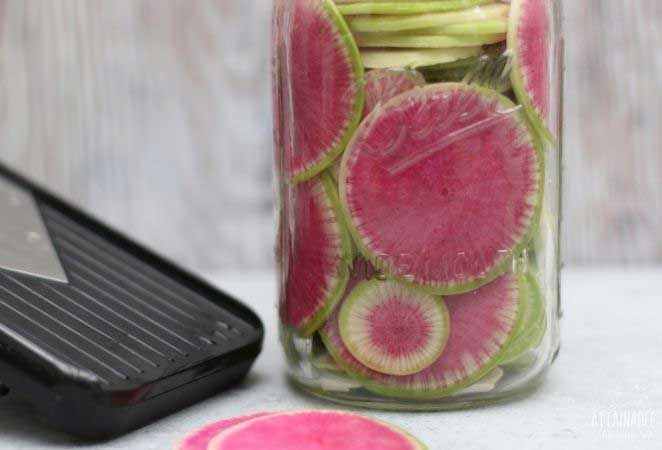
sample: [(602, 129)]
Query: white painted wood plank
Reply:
[(153, 114), (613, 162)]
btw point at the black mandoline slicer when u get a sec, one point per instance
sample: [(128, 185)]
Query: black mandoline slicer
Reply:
[(100, 335)]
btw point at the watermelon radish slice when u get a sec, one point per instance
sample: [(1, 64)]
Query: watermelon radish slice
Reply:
[(400, 7), (319, 430), (392, 328), (482, 323), (493, 26), (324, 84), (318, 254), (399, 40), (442, 186), (531, 44), (384, 84), (200, 438), (415, 57)]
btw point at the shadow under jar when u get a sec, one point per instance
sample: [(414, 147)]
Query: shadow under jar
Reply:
[(417, 154)]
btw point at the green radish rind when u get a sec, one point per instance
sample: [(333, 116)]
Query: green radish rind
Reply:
[(334, 170), (391, 391), (517, 79), (532, 327), (337, 383), (347, 244), (386, 23), (330, 180), (396, 40), (399, 7), (498, 269), (332, 300), (353, 55), (361, 292), (414, 58)]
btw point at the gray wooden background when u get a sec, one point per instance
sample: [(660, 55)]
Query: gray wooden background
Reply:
[(155, 114)]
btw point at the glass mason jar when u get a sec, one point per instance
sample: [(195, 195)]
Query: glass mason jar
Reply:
[(417, 154)]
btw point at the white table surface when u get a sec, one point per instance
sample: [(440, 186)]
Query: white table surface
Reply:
[(604, 391)]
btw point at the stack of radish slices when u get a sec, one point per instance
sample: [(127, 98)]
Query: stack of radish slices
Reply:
[(413, 164), (301, 430)]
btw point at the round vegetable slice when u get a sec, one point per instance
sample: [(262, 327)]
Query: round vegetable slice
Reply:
[(482, 324), (442, 186), (324, 87), (321, 430), (413, 58), (530, 41), (392, 328), (200, 438), (318, 254)]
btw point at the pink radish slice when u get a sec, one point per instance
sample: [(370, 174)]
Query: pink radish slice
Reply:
[(323, 87), (531, 41), (442, 186), (314, 430), (200, 439), (393, 328), (315, 254)]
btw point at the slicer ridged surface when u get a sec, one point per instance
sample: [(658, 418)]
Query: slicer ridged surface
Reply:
[(118, 318)]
